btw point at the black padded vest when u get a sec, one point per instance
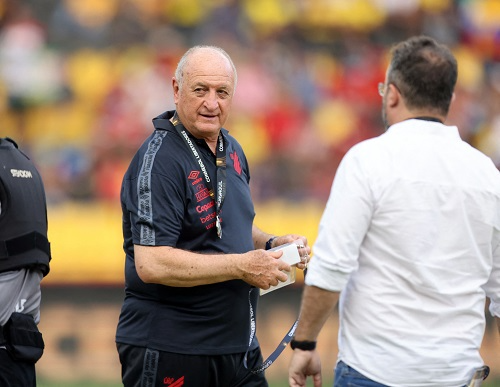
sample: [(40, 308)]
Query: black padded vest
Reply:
[(23, 212)]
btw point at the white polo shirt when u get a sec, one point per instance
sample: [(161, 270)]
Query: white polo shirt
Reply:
[(411, 236)]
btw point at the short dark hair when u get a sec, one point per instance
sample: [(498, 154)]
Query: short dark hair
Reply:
[(425, 72)]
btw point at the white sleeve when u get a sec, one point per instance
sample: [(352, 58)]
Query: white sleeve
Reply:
[(492, 288), (343, 225)]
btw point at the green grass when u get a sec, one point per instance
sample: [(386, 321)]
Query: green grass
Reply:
[(283, 383), (46, 383), (83, 383)]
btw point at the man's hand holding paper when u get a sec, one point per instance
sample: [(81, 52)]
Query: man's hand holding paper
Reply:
[(291, 255)]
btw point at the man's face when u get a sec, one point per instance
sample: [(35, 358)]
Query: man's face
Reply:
[(204, 99), (383, 91), (384, 111)]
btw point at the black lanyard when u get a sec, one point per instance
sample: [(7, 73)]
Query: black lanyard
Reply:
[(219, 195), (281, 346)]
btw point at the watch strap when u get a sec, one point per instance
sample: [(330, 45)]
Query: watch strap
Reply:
[(269, 243), (303, 345)]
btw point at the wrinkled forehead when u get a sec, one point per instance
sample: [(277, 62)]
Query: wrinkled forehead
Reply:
[(210, 64)]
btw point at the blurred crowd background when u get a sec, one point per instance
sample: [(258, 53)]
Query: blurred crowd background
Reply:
[(80, 81)]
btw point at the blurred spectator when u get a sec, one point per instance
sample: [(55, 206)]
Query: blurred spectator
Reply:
[(31, 73), (76, 24), (81, 80)]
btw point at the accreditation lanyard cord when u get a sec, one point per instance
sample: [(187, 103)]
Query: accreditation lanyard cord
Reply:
[(219, 194), (281, 346)]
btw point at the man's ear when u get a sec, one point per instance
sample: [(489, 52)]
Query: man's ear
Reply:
[(393, 96), (175, 88)]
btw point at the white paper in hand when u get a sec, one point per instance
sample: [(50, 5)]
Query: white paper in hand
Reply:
[(290, 256)]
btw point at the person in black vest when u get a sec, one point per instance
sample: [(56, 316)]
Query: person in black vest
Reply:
[(24, 261), (194, 258)]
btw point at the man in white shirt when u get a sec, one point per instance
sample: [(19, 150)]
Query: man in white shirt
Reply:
[(409, 240)]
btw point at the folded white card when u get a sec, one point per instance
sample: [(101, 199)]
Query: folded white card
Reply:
[(292, 257)]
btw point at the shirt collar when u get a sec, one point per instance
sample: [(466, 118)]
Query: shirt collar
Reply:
[(415, 127)]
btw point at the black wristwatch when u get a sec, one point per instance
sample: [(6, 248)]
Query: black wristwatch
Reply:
[(269, 243), (303, 345)]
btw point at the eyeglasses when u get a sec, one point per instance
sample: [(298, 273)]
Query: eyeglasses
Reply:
[(381, 88)]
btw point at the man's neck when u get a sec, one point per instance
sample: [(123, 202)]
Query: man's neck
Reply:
[(420, 114), (211, 142)]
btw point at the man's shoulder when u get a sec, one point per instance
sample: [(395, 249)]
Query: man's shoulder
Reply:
[(229, 138), (158, 152), (367, 146), (160, 140)]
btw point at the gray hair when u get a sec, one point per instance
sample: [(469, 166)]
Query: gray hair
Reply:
[(179, 71)]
